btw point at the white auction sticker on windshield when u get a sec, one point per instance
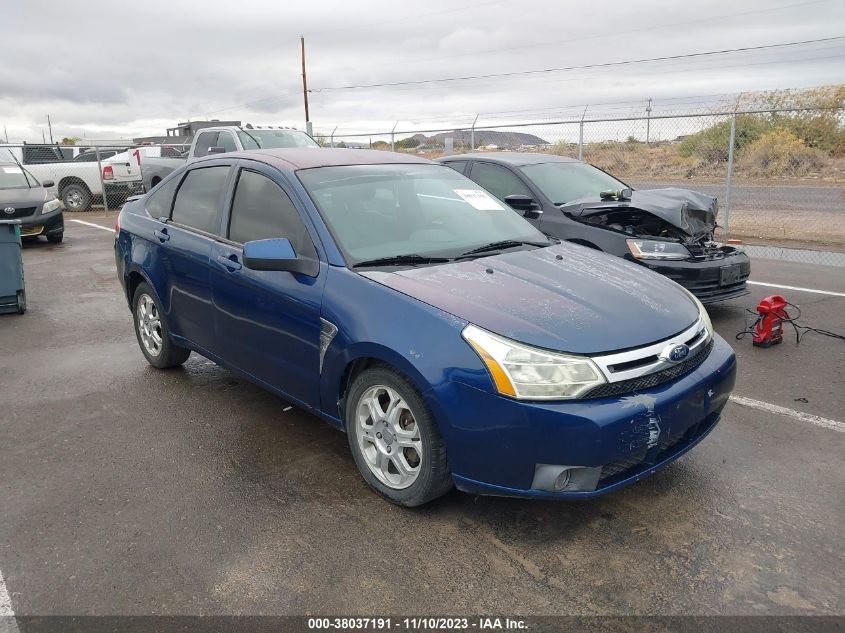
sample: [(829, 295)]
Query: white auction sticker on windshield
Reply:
[(12, 170), (479, 199)]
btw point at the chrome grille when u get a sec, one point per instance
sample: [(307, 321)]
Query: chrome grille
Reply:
[(648, 381)]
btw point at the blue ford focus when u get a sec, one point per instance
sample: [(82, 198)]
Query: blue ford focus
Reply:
[(453, 342)]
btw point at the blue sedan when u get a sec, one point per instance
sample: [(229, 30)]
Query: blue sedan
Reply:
[(455, 343)]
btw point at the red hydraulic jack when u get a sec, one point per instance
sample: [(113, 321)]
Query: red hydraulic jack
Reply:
[(771, 313)]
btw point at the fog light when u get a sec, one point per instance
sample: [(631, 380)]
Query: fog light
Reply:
[(562, 480)]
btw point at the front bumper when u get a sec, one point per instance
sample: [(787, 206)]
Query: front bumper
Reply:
[(705, 278), (47, 224), (495, 443)]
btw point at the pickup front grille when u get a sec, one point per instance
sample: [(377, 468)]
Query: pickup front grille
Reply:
[(648, 381)]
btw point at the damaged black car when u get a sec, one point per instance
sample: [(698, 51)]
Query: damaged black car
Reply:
[(670, 231)]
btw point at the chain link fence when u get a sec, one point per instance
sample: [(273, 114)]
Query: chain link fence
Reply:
[(86, 177), (778, 173)]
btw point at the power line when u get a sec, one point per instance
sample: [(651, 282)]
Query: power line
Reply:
[(614, 33), (628, 62), (409, 17)]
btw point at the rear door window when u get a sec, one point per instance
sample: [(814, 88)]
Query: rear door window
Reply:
[(199, 200), (160, 200), (262, 210), (498, 180), (458, 165), (204, 141)]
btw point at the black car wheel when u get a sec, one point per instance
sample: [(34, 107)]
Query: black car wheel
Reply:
[(56, 238)]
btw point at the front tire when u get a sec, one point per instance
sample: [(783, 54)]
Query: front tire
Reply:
[(394, 439), (152, 332), (56, 238)]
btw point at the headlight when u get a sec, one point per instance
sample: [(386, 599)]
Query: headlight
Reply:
[(50, 204), (657, 249), (530, 373), (702, 312)]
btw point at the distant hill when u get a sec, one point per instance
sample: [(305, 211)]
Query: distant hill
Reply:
[(482, 137)]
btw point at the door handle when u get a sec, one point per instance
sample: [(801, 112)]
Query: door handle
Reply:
[(162, 235), (231, 264)]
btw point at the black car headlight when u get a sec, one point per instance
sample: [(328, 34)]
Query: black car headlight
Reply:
[(657, 249)]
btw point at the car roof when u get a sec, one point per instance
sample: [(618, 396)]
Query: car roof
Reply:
[(310, 157), (513, 158)]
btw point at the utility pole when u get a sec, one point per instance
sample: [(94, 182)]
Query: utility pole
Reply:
[(5, 133), (51, 129), (305, 87)]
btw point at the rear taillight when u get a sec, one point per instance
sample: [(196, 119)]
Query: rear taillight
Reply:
[(117, 225), (108, 173)]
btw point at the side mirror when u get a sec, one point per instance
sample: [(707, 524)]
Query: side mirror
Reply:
[(277, 254), (525, 205), (216, 150), (47, 184)]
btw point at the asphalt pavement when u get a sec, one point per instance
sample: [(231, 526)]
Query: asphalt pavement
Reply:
[(127, 490)]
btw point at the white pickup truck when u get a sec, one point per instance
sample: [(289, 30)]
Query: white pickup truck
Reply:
[(219, 140), (77, 182)]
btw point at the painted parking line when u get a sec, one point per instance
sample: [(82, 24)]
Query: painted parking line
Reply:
[(798, 288), (792, 413), (7, 615), (91, 224)]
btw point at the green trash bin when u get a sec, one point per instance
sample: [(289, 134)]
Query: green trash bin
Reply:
[(12, 290)]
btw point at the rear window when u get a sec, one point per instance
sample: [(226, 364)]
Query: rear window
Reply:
[(199, 200), (268, 139)]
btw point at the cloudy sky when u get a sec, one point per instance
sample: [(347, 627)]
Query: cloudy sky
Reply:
[(117, 69)]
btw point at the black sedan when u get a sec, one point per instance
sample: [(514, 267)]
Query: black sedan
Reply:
[(667, 230), (23, 198)]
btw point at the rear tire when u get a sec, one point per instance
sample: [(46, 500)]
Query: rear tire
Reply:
[(152, 332), (394, 439), (21, 301), (76, 197)]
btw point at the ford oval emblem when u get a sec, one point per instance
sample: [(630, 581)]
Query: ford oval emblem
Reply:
[(675, 353)]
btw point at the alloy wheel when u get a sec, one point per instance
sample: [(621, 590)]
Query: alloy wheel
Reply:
[(149, 325), (389, 437)]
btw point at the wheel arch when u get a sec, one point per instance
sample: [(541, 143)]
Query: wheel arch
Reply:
[(338, 376), (72, 180)]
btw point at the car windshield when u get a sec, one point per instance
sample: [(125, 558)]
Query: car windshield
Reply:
[(13, 177), (428, 211), (565, 182), (269, 139)]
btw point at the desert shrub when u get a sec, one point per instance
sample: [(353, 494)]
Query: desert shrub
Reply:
[(711, 144), (781, 153)]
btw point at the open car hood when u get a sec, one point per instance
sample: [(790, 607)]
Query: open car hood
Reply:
[(693, 213)]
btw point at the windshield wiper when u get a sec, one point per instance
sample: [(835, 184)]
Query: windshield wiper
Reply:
[(400, 260), (496, 246)]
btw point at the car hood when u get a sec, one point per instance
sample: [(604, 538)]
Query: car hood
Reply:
[(20, 197), (588, 302), (692, 212)]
